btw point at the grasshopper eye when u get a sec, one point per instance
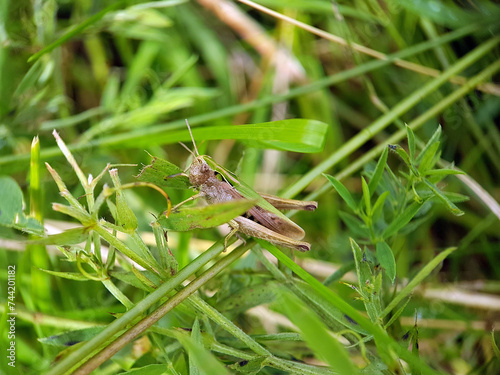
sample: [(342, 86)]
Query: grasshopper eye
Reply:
[(218, 176)]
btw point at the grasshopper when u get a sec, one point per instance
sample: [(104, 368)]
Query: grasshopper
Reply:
[(264, 221)]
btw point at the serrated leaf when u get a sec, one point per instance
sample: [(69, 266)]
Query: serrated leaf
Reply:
[(386, 258), (158, 173), (343, 192), (210, 216)]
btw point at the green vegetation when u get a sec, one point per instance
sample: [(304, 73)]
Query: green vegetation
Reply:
[(385, 113)]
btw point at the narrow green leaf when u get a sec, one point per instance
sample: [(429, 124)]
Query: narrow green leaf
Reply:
[(428, 157), (67, 275), (31, 77), (343, 192), (210, 216), (144, 56), (454, 197), (395, 315), (339, 274), (402, 220), (411, 142), (435, 138), (317, 336), (494, 345), (72, 120), (355, 225), (404, 156), (441, 173), (386, 258), (379, 170), (203, 359), (71, 337), (329, 312), (379, 205), (68, 237), (449, 204), (162, 369), (366, 196), (421, 275), (76, 30), (132, 279), (197, 339)]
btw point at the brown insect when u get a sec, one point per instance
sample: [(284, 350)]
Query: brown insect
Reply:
[(264, 221)]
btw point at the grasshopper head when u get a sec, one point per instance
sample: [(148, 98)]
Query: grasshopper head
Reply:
[(199, 172)]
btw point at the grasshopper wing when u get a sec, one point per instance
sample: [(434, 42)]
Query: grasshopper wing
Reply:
[(277, 223), (289, 204)]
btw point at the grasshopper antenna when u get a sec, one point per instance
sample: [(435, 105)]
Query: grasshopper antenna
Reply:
[(192, 138), (188, 149)]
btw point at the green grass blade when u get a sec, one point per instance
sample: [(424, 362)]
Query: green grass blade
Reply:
[(343, 192), (314, 332), (76, 30), (417, 280)]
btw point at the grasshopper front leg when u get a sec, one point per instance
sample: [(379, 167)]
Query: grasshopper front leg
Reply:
[(191, 198)]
